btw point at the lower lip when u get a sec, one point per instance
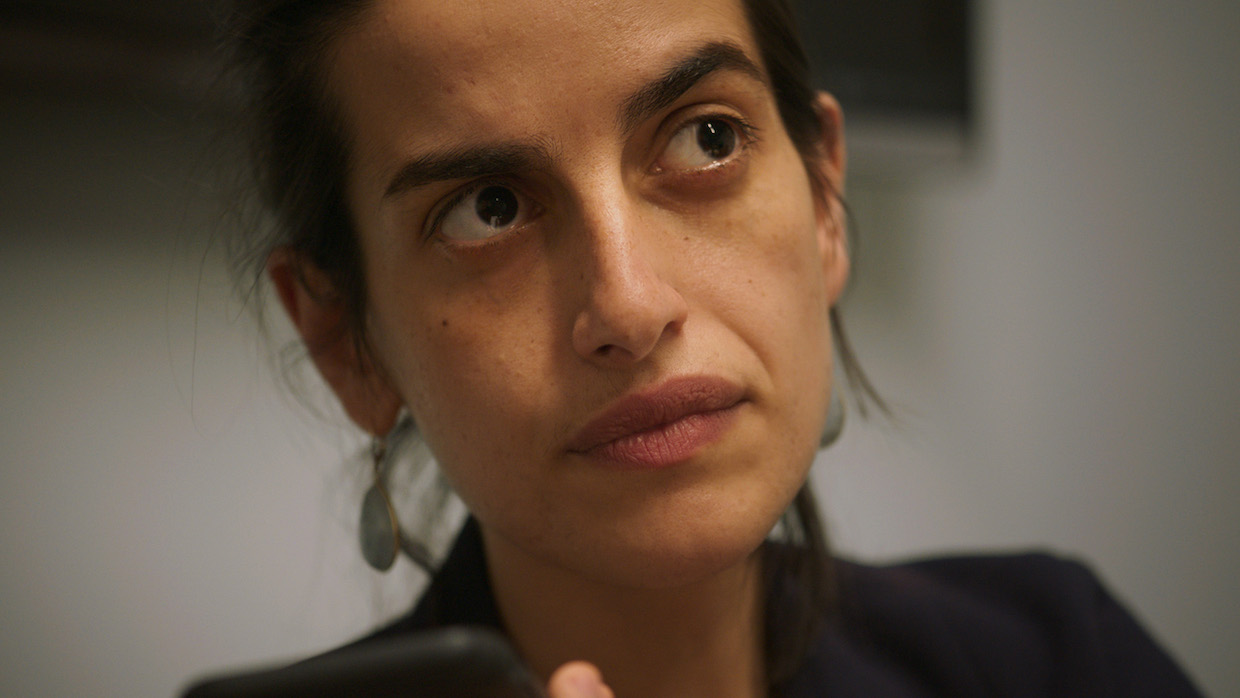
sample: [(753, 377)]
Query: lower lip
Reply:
[(667, 445)]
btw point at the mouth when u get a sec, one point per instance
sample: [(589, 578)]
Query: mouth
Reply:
[(662, 426)]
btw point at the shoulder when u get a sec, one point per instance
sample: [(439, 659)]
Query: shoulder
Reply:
[(1043, 590), (1028, 624)]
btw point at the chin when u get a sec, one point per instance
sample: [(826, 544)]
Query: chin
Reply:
[(679, 548), (684, 535)]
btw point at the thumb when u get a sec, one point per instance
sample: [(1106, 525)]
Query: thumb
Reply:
[(578, 680)]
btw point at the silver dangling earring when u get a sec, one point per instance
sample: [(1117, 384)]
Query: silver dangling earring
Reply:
[(835, 419), (379, 531)]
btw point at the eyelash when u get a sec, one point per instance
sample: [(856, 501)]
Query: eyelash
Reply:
[(748, 131)]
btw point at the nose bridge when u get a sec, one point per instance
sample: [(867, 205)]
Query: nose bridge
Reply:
[(628, 301), (617, 250)]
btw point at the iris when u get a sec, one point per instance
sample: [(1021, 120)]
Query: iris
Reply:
[(716, 138), (496, 206)]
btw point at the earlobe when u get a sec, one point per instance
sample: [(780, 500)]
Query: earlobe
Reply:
[(319, 316), (831, 163)]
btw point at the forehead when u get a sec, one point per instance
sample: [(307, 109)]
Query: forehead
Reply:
[(412, 73)]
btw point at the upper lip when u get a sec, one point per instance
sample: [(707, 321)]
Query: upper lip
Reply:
[(654, 407)]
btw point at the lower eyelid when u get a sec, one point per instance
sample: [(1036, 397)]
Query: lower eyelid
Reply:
[(501, 238), (715, 180)]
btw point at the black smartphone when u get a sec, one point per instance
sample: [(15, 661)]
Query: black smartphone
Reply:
[(457, 662)]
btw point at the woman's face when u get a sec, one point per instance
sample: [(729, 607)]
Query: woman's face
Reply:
[(597, 272)]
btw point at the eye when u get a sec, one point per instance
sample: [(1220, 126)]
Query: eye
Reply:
[(482, 212), (703, 143)]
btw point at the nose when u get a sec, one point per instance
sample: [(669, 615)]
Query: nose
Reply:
[(628, 302)]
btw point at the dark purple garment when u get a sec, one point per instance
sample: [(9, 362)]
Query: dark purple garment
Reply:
[(1022, 625)]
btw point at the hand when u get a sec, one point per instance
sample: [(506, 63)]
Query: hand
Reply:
[(578, 680)]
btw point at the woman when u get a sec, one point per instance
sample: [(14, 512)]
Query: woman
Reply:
[(594, 250)]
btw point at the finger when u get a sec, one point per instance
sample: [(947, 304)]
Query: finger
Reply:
[(578, 680)]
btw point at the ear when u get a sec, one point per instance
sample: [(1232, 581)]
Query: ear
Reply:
[(830, 163), (315, 309)]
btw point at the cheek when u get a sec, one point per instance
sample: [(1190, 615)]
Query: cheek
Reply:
[(780, 309), (776, 291), (473, 370)]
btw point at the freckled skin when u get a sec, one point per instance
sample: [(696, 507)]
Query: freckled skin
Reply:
[(732, 279)]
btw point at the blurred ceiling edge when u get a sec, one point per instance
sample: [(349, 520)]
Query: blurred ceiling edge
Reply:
[(82, 53), (166, 52)]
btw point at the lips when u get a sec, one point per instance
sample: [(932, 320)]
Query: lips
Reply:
[(661, 426)]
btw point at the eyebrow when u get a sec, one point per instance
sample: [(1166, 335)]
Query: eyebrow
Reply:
[(467, 163), (660, 93), (504, 158)]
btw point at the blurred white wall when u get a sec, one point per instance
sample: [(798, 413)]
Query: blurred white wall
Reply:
[(1058, 320), (1055, 321)]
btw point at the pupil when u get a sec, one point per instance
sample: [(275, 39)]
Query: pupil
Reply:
[(497, 206), (716, 139)]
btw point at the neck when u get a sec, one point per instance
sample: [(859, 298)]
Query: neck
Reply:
[(700, 639)]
